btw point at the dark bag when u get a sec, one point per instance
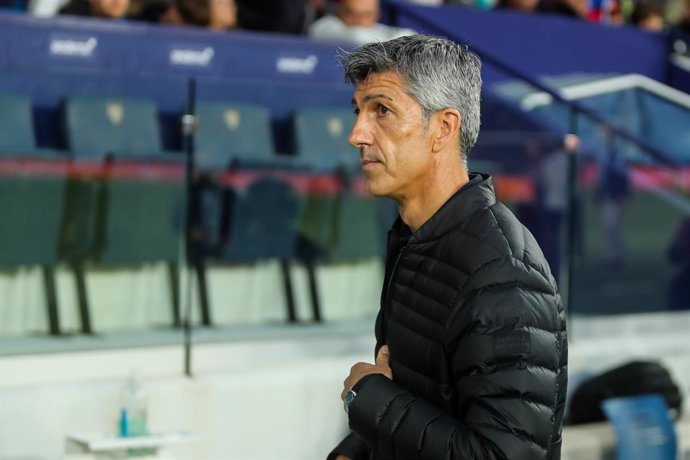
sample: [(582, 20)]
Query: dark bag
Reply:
[(635, 378)]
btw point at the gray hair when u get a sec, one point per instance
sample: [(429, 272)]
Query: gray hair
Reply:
[(437, 73)]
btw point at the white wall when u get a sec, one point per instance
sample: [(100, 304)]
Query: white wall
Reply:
[(257, 399), (249, 399)]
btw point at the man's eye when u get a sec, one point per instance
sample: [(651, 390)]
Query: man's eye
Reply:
[(383, 110)]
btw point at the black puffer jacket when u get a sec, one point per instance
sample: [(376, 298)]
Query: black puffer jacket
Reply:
[(477, 339)]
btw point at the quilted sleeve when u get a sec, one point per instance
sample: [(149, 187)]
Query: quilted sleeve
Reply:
[(506, 349)]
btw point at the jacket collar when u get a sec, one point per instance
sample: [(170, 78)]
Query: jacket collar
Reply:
[(477, 194)]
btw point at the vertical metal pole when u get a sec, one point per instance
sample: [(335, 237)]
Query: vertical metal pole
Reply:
[(200, 270), (289, 294), (51, 301), (313, 290), (188, 128), (174, 276), (82, 297), (571, 144)]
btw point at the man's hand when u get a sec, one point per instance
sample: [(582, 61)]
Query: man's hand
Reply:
[(359, 370)]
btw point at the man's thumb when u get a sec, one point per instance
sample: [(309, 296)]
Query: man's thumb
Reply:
[(383, 357)]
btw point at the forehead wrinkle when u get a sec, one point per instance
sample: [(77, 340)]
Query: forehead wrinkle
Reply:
[(371, 97)]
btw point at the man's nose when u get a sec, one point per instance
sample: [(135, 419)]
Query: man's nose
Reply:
[(360, 135)]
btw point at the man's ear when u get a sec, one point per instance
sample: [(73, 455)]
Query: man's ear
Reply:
[(448, 123)]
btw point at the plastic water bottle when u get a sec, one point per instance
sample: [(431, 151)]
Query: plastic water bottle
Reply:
[(133, 409)]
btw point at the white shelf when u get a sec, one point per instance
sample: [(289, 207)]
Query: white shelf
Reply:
[(95, 442)]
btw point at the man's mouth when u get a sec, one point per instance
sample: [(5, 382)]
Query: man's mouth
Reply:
[(367, 160)]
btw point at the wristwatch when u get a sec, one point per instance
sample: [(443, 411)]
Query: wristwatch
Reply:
[(349, 397)]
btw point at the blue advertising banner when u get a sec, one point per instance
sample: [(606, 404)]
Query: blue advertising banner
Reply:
[(541, 44), (136, 48), (53, 59)]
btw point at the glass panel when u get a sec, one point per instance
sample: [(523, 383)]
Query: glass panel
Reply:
[(628, 214), (630, 211), (284, 231), (664, 124), (659, 121), (92, 232)]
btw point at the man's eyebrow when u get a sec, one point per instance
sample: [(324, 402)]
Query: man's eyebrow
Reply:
[(371, 97)]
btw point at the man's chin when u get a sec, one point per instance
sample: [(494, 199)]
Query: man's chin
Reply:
[(374, 189)]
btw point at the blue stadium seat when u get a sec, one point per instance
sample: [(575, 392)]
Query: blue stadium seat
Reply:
[(321, 138), (234, 135), (264, 222), (17, 137), (335, 228), (138, 217), (32, 208), (31, 201), (229, 136), (97, 126), (16, 125), (320, 135), (137, 214), (358, 230), (263, 225)]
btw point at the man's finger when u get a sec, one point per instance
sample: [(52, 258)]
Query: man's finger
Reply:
[(383, 357)]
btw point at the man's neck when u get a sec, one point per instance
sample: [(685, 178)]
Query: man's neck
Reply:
[(417, 209)]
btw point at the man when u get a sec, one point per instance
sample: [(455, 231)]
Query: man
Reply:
[(614, 190), (105, 9), (212, 14), (282, 16), (356, 22), (678, 293), (648, 17), (471, 347)]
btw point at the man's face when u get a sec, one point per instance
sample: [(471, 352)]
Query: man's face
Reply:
[(653, 22), (392, 137), (524, 5), (223, 14), (113, 9), (361, 13)]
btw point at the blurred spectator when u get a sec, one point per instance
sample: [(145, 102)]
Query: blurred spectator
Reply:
[(648, 17), (680, 36), (529, 212), (107, 9), (554, 200), (152, 10), (214, 14), (683, 26), (283, 16), (356, 21), (679, 253), (544, 217), (19, 5), (44, 8), (613, 193), (483, 4), (315, 10), (570, 8), (527, 6), (606, 12), (223, 14)]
